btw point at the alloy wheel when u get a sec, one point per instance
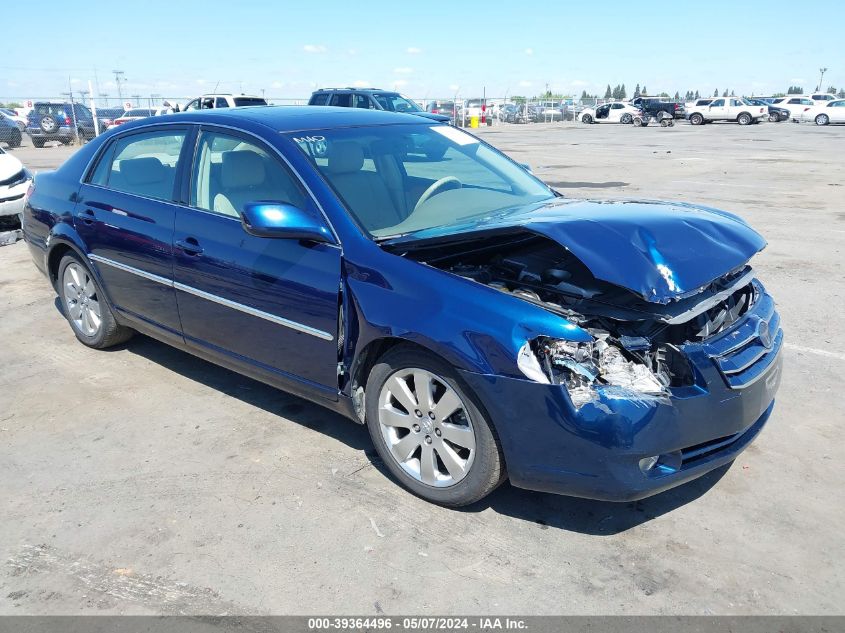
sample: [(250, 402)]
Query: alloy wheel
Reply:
[(426, 427), (81, 299)]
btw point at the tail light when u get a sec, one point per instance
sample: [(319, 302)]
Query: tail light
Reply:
[(67, 120), (29, 191), (435, 111)]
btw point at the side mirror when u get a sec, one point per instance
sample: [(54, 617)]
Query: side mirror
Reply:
[(283, 220)]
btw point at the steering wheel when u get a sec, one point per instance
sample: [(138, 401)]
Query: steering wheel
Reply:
[(438, 186)]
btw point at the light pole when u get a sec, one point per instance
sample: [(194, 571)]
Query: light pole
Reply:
[(822, 71), (118, 79), (154, 97), (137, 100)]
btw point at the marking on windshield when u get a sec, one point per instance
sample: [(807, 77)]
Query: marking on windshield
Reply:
[(308, 139), (454, 134)]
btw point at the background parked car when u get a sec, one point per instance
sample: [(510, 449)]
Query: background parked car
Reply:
[(659, 107), (14, 182), (106, 116), (223, 100), (14, 116), (371, 99), (446, 108), (611, 113), (776, 114), (728, 109), (10, 133), (797, 106), (827, 112), (821, 98), (134, 114), (54, 121)]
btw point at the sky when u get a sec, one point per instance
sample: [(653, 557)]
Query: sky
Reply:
[(425, 50)]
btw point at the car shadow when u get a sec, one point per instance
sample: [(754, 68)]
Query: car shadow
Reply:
[(584, 516), (588, 516)]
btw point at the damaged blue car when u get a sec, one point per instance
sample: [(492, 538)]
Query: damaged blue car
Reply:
[(410, 276)]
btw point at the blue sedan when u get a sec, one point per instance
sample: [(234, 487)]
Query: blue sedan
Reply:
[(410, 276)]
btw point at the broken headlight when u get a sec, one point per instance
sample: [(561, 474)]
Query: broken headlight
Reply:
[(582, 367)]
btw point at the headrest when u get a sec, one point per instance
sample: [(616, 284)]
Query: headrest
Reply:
[(242, 168), (345, 157), (142, 171)]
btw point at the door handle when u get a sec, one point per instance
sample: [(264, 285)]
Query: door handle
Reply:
[(190, 246), (87, 216)]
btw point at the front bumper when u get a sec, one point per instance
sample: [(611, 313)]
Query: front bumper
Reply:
[(595, 451), (12, 199)]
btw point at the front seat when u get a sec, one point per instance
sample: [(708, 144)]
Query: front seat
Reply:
[(244, 178), (364, 191)]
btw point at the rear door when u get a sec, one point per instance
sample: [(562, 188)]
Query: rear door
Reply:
[(266, 303), (125, 216), (836, 111)]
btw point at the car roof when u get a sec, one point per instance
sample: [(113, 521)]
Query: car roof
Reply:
[(393, 92), (294, 118)]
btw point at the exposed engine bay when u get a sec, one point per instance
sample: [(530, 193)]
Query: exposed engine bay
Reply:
[(636, 343)]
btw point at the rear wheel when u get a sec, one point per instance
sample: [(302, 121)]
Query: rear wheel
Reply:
[(822, 119), (428, 430), (662, 115), (696, 119), (85, 306), (15, 140), (744, 119), (37, 142)]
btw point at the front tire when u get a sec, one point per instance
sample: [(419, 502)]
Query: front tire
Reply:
[(85, 306), (626, 119), (822, 119), (744, 119), (429, 431), (696, 119), (586, 119)]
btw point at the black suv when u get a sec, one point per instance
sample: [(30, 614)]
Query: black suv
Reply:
[(54, 121), (371, 99)]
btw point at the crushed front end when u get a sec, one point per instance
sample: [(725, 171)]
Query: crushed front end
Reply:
[(660, 394)]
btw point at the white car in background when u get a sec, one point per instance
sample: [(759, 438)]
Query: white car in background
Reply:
[(796, 104), (14, 182), (737, 109), (821, 98), (223, 100), (826, 112), (610, 113)]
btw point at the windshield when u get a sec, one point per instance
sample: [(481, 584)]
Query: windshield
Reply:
[(396, 102), (397, 179)]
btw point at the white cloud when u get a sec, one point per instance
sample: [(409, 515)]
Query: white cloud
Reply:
[(524, 84), (277, 84), (75, 81), (201, 81), (400, 83), (352, 51), (404, 70), (360, 83), (529, 51), (314, 48), (454, 87), (578, 83), (797, 80), (413, 50)]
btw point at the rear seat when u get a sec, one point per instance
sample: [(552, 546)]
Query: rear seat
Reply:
[(146, 176)]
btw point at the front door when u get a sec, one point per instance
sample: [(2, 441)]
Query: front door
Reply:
[(266, 302), (125, 216), (717, 110)]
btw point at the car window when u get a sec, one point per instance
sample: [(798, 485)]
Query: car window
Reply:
[(398, 103), (319, 99), (362, 101), (342, 100), (736, 103), (220, 102), (249, 101), (836, 104), (229, 172), (402, 178), (718, 103), (143, 164), (617, 106)]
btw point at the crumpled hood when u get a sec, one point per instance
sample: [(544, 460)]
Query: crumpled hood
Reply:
[(9, 166), (660, 250)]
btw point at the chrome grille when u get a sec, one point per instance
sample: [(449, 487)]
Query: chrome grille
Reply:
[(745, 354)]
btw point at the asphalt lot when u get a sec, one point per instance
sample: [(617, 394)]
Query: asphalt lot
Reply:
[(143, 480)]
